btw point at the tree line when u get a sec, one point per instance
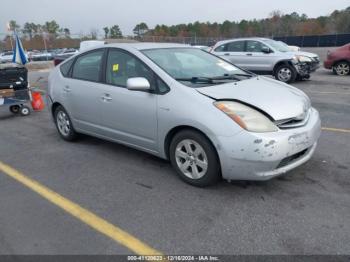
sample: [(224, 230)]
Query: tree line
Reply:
[(277, 24), (31, 29)]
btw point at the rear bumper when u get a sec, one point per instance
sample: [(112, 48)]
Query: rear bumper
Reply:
[(262, 156)]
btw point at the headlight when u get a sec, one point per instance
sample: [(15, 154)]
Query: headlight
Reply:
[(246, 117), (303, 59)]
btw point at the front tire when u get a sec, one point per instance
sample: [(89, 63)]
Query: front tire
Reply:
[(64, 124), (285, 73), (342, 68), (24, 110), (194, 158)]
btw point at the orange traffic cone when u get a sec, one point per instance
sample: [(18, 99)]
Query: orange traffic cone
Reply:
[(37, 101)]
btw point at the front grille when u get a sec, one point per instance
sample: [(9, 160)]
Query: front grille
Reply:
[(293, 122), (286, 161), (317, 59)]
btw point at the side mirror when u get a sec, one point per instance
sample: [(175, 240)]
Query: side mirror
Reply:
[(138, 84), (266, 50)]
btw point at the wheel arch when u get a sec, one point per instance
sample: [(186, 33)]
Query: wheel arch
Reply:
[(54, 107), (341, 60), (170, 135), (281, 62)]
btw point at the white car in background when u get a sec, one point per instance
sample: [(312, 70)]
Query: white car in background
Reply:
[(36, 55), (67, 52), (85, 45), (292, 48), (203, 47), (6, 57)]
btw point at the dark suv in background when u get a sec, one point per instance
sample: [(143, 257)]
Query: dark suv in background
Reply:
[(339, 60)]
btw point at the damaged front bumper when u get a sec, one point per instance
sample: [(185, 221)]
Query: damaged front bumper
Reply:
[(262, 156), (306, 68)]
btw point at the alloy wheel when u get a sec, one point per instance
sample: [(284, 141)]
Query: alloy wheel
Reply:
[(191, 159), (284, 74), (342, 69), (63, 123)]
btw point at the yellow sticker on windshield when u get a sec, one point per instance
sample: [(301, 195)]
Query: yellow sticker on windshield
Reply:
[(115, 67)]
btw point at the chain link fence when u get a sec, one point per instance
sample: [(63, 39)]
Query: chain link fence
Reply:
[(316, 40), (46, 41)]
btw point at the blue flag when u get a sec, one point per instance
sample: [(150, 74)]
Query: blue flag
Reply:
[(19, 56)]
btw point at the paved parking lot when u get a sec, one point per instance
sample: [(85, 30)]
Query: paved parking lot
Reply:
[(304, 212)]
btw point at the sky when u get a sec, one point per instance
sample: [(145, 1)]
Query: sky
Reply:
[(80, 16)]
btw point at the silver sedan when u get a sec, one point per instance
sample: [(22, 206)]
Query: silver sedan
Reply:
[(210, 118)]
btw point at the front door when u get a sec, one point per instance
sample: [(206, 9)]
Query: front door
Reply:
[(129, 116), (259, 61)]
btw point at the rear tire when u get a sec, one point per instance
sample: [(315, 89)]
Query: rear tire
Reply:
[(64, 124), (194, 158), (15, 109), (342, 68), (285, 73)]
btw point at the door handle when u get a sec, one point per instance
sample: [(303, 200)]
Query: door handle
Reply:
[(226, 54), (66, 89), (106, 98), (249, 54)]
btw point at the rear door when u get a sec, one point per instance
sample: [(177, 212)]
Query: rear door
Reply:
[(82, 92), (233, 52)]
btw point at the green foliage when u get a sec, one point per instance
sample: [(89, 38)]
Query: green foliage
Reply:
[(140, 29), (277, 24), (14, 26), (112, 32), (106, 30), (115, 32), (51, 27), (31, 29)]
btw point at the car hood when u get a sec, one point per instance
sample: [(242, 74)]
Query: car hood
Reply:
[(304, 54), (279, 100)]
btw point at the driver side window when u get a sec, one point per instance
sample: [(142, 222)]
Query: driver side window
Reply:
[(121, 66), (255, 46)]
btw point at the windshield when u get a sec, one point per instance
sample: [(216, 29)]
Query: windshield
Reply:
[(279, 46), (194, 67)]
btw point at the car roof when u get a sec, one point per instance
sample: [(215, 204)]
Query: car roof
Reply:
[(145, 45), (242, 39)]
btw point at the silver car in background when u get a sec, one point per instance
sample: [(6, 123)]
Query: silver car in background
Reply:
[(269, 57), (208, 117)]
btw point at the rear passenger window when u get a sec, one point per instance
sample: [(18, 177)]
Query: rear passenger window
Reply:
[(237, 46), (88, 67), (66, 67)]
